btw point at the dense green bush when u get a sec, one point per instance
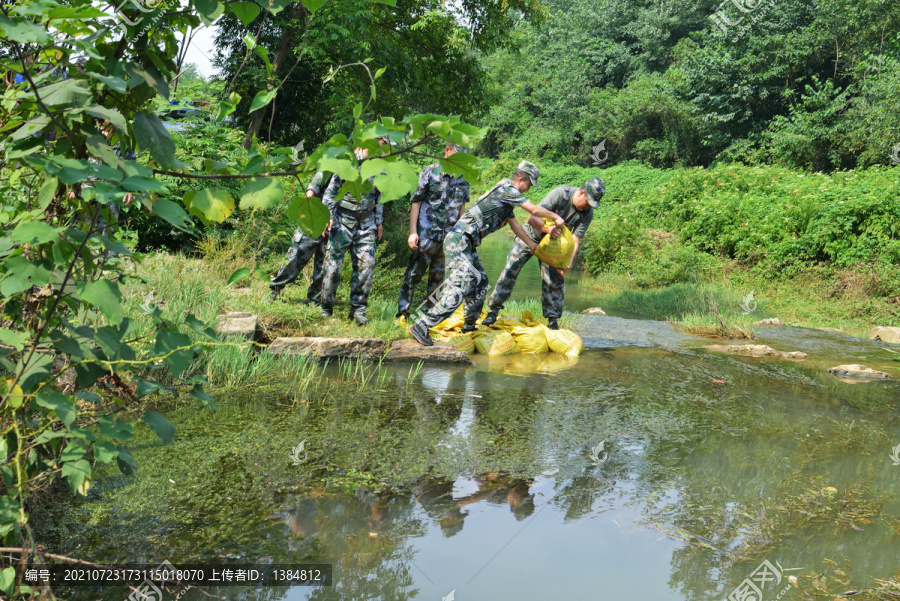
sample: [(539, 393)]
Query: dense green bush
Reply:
[(757, 215)]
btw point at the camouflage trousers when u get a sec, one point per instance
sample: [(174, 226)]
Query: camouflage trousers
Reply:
[(553, 285), (431, 259), (466, 281), (361, 244), (303, 248)]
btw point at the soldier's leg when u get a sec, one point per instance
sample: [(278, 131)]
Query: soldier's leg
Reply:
[(477, 291), (435, 271), (302, 249), (518, 255), (553, 292), (363, 251), (414, 271), (314, 293), (457, 279), (338, 243)]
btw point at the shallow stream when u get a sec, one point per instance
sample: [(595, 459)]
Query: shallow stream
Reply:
[(491, 482)]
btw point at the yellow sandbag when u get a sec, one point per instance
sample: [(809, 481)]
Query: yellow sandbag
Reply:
[(461, 342), (531, 339), (507, 323), (564, 342), (556, 252), (554, 362), (456, 321), (495, 343)]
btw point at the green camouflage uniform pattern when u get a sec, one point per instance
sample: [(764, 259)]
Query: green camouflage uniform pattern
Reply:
[(466, 281), (553, 285), (441, 195), (353, 230), (490, 212), (466, 278), (302, 249)]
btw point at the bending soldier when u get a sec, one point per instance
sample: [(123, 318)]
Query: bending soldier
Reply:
[(576, 207)]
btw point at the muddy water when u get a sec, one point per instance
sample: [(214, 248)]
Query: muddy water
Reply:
[(490, 482)]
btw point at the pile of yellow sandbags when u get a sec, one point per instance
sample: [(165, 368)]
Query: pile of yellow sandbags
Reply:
[(508, 336)]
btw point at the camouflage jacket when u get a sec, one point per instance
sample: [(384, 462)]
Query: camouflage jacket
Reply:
[(319, 184), (442, 196), (491, 211), (366, 213)]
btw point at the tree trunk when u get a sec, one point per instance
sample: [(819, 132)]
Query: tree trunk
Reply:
[(287, 39)]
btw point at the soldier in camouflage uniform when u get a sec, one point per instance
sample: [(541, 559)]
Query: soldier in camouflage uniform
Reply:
[(437, 204), (576, 207), (466, 278), (303, 248), (356, 225)]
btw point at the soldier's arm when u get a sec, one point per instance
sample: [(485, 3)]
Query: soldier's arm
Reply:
[(539, 211), (331, 192), (413, 240), (519, 231), (422, 188)]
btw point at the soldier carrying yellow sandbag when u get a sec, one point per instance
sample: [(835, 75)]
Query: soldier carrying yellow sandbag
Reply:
[(576, 207)]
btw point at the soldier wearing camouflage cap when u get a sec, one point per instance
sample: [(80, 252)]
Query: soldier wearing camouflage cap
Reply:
[(466, 279), (437, 204), (576, 207)]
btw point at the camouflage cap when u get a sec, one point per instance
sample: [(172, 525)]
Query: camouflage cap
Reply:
[(595, 188), (532, 171)]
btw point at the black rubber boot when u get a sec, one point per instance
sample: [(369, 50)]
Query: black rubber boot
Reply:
[(490, 319), (553, 325)]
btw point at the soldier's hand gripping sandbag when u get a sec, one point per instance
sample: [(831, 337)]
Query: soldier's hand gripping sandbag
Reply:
[(556, 252)]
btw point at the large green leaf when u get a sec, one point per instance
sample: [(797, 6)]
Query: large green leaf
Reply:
[(209, 10), (176, 345), (159, 424), (106, 296), (261, 193), (172, 213), (310, 214), (210, 205), (313, 5), (101, 112), (262, 99), (463, 164), (238, 275), (245, 11), (152, 136), (78, 473), (393, 179), (64, 93), (34, 232), (22, 31), (61, 404), (340, 167)]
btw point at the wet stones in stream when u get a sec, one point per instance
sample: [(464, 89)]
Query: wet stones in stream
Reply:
[(368, 348), (754, 350), (858, 371), (885, 334)]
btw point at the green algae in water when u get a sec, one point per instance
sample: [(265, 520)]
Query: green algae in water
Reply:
[(702, 482)]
